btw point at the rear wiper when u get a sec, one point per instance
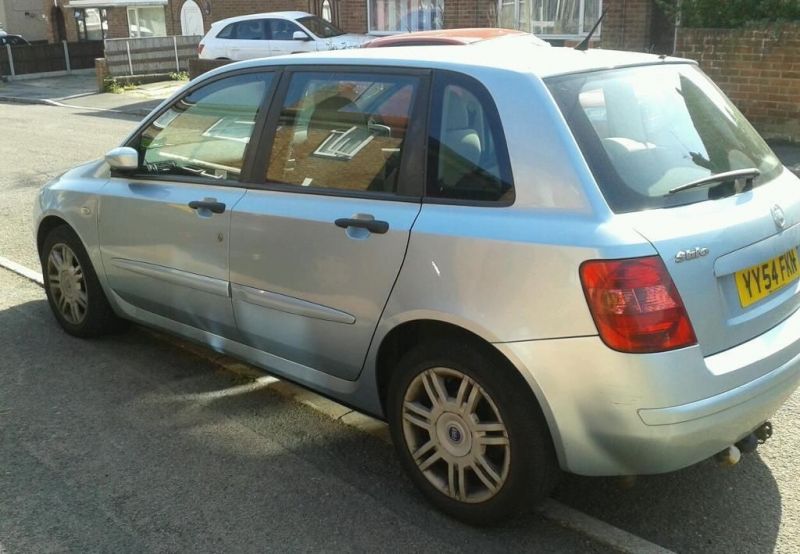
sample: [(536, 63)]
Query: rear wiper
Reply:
[(747, 174)]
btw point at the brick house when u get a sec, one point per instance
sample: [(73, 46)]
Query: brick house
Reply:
[(629, 24)]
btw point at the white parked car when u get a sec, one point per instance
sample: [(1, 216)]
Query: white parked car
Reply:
[(261, 35)]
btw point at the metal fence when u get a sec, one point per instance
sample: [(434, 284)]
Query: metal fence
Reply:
[(147, 56), (40, 58)]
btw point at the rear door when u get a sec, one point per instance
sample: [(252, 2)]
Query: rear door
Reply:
[(250, 40), (164, 229), (730, 245), (316, 250)]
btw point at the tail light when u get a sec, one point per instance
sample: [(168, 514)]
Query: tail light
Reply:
[(635, 305), (200, 48)]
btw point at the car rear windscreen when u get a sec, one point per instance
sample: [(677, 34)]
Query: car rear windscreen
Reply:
[(649, 129)]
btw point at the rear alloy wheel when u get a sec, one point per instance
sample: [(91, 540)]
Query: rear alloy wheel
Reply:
[(469, 432), (456, 435), (73, 290)]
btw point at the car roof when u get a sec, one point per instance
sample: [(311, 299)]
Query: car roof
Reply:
[(275, 15), (443, 37), (521, 54)]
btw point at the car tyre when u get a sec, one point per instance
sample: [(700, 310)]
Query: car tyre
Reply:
[(463, 403), (73, 290)]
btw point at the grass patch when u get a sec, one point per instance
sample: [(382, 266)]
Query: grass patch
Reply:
[(112, 84)]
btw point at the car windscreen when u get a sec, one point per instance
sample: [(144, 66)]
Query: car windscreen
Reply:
[(647, 130), (320, 27)]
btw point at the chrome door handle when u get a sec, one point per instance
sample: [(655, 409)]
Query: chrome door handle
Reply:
[(371, 225), (210, 205)]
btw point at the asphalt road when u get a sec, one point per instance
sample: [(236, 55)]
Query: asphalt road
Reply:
[(127, 444)]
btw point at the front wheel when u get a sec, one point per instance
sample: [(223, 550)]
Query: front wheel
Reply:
[(73, 290), (469, 432)]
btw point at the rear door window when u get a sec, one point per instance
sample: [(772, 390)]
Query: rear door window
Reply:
[(251, 29), (343, 131), (647, 130)]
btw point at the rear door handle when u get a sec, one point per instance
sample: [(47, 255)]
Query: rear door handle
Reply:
[(210, 205), (371, 225)]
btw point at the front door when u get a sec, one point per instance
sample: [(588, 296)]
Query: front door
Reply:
[(164, 229), (315, 254), (281, 33)]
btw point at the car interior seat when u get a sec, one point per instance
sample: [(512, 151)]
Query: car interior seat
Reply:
[(461, 149)]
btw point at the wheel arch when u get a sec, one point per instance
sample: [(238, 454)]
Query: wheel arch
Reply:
[(405, 335), (47, 224)]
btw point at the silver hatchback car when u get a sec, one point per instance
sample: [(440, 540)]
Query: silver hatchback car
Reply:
[(527, 259)]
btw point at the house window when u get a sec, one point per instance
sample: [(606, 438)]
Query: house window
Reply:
[(92, 24), (147, 22), (550, 18), (402, 16), (326, 11)]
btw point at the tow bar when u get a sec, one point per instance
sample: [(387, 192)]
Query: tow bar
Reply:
[(731, 455)]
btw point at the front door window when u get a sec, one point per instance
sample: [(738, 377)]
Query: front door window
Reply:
[(205, 134)]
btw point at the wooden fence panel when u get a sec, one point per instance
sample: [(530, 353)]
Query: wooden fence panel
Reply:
[(143, 56), (40, 58), (83, 54)]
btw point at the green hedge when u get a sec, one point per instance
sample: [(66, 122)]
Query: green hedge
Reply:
[(731, 13)]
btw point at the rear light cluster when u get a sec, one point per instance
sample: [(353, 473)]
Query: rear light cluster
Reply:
[(635, 305), (200, 48)]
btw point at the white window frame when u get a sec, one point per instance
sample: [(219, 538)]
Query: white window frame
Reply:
[(582, 31), (389, 33), (135, 11)]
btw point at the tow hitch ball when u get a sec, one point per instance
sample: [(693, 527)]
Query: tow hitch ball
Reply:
[(731, 455)]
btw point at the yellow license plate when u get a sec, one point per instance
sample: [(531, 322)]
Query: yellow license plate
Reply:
[(759, 281)]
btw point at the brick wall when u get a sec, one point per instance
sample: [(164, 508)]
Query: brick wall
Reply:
[(470, 13), (627, 24), (117, 19), (353, 16), (759, 69)]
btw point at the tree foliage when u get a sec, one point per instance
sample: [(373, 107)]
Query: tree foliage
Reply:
[(731, 13)]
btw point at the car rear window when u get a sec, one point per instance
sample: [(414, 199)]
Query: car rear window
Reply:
[(649, 129)]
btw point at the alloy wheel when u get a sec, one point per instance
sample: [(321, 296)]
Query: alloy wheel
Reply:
[(67, 285), (455, 435)]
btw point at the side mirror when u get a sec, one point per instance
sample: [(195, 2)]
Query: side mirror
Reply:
[(123, 157), (300, 35)]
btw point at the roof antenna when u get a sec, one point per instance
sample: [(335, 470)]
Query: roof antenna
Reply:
[(584, 45)]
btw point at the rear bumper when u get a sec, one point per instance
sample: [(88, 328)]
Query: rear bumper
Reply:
[(621, 414)]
